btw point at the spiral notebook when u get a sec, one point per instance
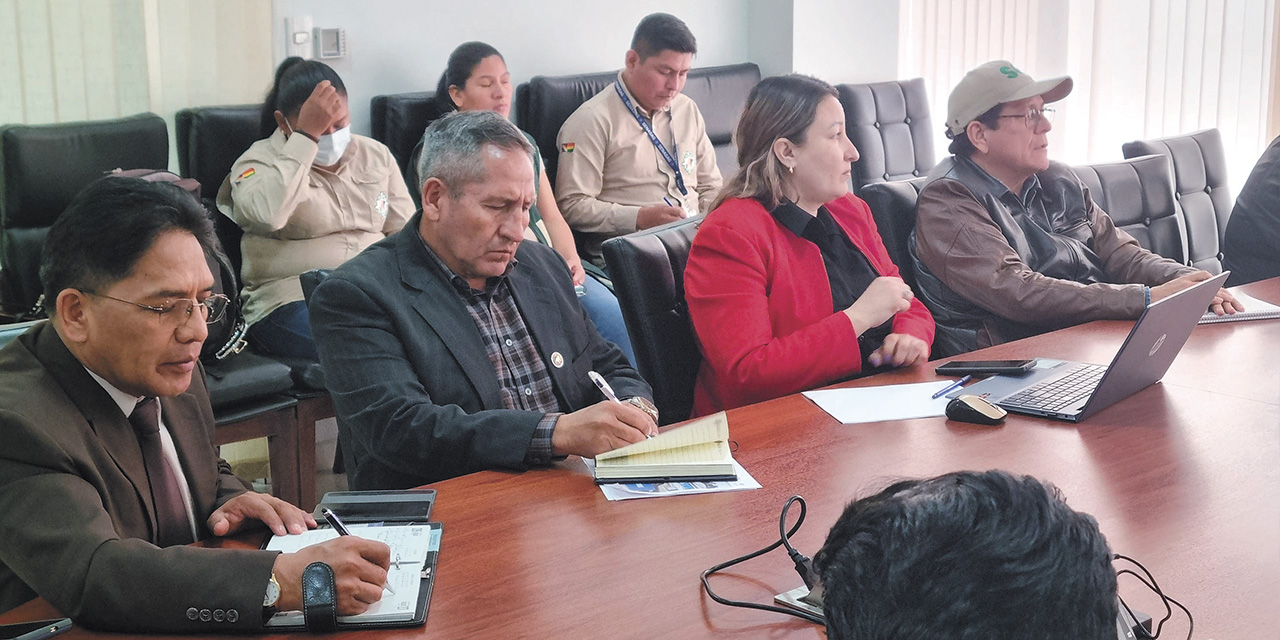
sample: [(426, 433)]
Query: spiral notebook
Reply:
[(1254, 309)]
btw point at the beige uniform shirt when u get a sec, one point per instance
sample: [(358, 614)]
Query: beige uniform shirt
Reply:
[(297, 217), (609, 168)]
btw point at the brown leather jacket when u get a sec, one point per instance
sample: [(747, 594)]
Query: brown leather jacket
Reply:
[(994, 267)]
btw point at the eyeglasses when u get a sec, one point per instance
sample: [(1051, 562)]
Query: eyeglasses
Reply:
[(1033, 117), (178, 310)]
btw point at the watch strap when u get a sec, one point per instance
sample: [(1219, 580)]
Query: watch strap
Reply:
[(319, 597)]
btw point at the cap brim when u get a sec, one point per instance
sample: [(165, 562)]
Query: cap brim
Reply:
[(1053, 90)]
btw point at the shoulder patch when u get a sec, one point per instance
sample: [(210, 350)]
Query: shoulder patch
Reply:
[(248, 173), (567, 147)]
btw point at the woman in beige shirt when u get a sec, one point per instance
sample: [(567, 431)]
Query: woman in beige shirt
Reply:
[(309, 196)]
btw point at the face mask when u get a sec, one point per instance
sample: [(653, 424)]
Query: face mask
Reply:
[(332, 146)]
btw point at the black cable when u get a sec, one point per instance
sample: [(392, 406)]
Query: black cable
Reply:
[(783, 539), (1155, 587)]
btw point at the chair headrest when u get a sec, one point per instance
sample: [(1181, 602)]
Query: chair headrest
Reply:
[(45, 166), (211, 139), (398, 120)]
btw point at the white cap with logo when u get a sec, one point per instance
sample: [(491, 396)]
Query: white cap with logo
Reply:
[(994, 83)]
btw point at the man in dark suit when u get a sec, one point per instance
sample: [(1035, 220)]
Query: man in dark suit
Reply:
[(452, 347), (101, 485)]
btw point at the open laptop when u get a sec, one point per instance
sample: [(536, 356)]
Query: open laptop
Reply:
[(1074, 391)]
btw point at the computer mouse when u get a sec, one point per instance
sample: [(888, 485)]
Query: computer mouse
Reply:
[(975, 409)]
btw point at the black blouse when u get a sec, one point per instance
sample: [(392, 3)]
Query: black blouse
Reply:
[(849, 273)]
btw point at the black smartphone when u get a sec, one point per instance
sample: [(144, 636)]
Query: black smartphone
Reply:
[(965, 367), (36, 630)]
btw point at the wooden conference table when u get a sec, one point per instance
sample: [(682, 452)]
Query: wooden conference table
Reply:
[(1183, 476)]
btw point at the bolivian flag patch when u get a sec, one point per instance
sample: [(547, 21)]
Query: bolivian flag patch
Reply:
[(248, 173), (567, 147)]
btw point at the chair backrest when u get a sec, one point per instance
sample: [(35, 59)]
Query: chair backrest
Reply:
[(43, 167), (648, 276), (312, 279), (1200, 177), (1138, 195), (893, 205), (545, 102), (398, 120), (211, 139), (889, 123)]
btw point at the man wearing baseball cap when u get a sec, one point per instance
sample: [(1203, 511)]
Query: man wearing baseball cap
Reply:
[(1007, 243)]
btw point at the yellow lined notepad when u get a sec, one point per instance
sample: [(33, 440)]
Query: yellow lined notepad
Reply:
[(699, 449)]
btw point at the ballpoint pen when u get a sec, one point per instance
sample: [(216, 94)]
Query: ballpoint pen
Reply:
[(952, 387), (332, 519), (672, 203), (607, 390)]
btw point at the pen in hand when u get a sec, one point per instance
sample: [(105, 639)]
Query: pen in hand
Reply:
[(332, 519), (951, 387), (671, 203), (607, 390)]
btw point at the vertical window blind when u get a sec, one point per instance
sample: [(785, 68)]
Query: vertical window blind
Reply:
[(70, 60), (1141, 69)]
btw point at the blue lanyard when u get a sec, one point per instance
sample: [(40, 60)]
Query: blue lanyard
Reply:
[(653, 137)]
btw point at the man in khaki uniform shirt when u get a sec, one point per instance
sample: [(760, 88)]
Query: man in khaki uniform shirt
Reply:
[(612, 178)]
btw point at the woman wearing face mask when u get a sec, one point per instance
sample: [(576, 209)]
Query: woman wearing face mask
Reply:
[(476, 79), (309, 196), (788, 283)]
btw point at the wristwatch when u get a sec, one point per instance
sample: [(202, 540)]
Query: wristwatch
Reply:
[(642, 403), (273, 593)]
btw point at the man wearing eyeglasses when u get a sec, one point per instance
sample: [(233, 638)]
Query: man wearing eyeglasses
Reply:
[(107, 467), (1007, 243)]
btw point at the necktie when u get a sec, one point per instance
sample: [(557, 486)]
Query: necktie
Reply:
[(171, 513)]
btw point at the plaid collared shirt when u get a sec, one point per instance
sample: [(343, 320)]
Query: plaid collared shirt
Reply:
[(522, 375)]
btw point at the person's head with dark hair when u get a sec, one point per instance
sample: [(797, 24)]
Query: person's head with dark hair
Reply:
[(967, 555), (475, 78), (309, 98), (961, 145), (124, 271), (977, 108), (659, 60), (791, 144), (476, 174)]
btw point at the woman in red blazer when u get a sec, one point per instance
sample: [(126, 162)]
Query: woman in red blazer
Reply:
[(788, 283)]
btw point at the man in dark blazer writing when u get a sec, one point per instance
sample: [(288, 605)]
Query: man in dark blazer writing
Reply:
[(107, 467), (452, 347)]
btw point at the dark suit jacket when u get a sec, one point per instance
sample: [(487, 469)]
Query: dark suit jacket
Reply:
[(76, 517), (416, 396)]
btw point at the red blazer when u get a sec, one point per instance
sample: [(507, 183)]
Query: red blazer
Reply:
[(760, 302)]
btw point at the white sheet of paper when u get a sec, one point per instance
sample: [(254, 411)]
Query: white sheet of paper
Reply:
[(877, 404), (615, 492)]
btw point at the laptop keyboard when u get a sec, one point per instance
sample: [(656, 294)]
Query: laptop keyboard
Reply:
[(1057, 394)]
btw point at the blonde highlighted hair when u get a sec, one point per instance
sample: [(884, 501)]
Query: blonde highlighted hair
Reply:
[(778, 107)]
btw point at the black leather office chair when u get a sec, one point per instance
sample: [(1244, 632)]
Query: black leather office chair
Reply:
[(890, 125), (648, 273), (1200, 176), (210, 140), (398, 120), (545, 102), (1138, 195), (893, 205), (43, 167)]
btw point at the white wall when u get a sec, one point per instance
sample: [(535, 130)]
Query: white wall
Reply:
[(398, 46), (770, 35), (846, 41)]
